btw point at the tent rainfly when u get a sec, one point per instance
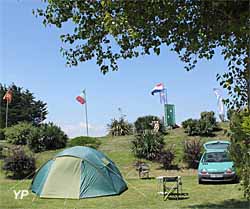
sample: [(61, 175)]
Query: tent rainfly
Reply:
[(78, 172)]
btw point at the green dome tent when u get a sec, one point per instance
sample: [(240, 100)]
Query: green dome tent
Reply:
[(78, 172)]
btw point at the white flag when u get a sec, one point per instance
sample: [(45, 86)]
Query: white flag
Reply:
[(220, 104)]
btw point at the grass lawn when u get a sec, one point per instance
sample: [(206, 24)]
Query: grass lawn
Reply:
[(141, 193)]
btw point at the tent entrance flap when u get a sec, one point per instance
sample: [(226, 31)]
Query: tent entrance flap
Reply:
[(64, 179)]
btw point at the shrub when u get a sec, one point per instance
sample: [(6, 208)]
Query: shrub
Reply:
[(192, 152), (191, 127), (18, 164), (85, 141), (49, 137), (19, 134), (146, 123), (166, 157), (4, 149), (207, 123), (230, 112), (147, 145), (2, 135), (240, 146), (120, 127), (1, 151), (202, 127), (185, 123)]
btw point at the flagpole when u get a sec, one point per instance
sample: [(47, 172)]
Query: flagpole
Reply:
[(6, 116), (164, 108), (86, 112), (166, 96)]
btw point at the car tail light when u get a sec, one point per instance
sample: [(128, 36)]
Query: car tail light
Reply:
[(228, 170)]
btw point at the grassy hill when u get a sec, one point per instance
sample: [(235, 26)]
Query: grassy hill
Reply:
[(141, 193)]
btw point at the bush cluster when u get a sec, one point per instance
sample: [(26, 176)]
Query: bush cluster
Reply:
[(192, 152), (47, 137), (148, 145), (3, 150), (19, 134), (146, 123), (120, 127), (240, 146), (166, 157), (18, 164), (202, 127), (191, 127), (44, 137), (85, 141), (149, 142)]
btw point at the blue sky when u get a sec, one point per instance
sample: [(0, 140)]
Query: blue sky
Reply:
[(30, 58)]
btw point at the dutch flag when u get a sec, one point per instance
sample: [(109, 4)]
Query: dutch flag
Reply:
[(157, 89)]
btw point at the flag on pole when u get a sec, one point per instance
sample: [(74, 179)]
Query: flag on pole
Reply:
[(8, 96), (218, 93), (81, 99), (220, 104), (157, 89)]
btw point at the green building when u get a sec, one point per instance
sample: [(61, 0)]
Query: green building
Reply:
[(169, 115)]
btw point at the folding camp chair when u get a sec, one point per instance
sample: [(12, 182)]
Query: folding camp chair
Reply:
[(172, 186), (143, 170)]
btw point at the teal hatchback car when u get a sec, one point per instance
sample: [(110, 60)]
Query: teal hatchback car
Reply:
[(215, 164)]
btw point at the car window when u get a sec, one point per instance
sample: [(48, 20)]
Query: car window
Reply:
[(216, 157), (217, 146)]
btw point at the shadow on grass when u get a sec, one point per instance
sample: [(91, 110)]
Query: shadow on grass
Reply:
[(219, 182), (182, 196), (147, 178), (236, 204), (217, 129), (172, 168)]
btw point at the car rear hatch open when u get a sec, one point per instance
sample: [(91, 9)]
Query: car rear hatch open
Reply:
[(216, 145)]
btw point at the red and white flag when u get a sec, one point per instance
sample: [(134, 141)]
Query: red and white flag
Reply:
[(81, 98), (8, 96)]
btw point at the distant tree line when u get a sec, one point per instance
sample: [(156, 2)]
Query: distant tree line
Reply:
[(23, 107)]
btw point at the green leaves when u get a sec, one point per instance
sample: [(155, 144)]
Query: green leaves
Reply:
[(120, 127), (202, 127), (239, 150), (192, 152), (148, 145), (111, 30), (24, 107), (235, 81)]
